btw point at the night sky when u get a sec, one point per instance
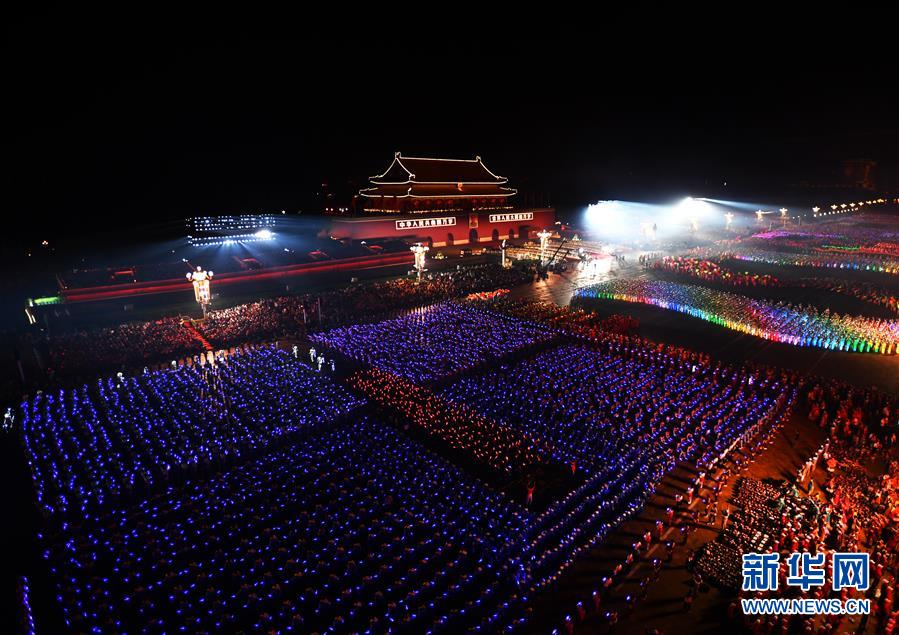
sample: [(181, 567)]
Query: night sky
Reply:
[(143, 120)]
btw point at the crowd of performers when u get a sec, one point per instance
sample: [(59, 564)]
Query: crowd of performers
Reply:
[(263, 320), (871, 234), (765, 517), (864, 418), (231, 494), (87, 352), (355, 529), (853, 507), (866, 243), (851, 261), (458, 427), (595, 407), (794, 324), (851, 510), (289, 315), (434, 341), (661, 535), (573, 320), (709, 271), (93, 445), (158, 514), (615, 414), (712, 271), (213, 553), (845, 498)]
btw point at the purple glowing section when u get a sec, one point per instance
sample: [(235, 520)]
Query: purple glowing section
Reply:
[(435, 341)]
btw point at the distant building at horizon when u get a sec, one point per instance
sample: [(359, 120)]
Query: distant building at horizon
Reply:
[(414, 185), (852, 174), (859, 173)]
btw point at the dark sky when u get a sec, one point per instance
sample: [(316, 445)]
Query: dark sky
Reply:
[(142, 119)]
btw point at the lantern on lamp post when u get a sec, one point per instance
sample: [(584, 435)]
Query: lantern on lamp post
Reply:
[(544, 242), (419, 250), (200, 279)]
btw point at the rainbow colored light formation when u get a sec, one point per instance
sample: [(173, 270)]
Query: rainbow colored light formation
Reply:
[(858, 263), (799, 326)]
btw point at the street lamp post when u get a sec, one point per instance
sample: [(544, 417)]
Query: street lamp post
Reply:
[(419, 250), (200, 279), (502, 248), (544, 242)]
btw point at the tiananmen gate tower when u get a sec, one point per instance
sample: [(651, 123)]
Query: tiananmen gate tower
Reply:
[(440, 202)]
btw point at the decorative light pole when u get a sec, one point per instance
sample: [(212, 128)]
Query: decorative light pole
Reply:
[(728, 219), (419, 250), (544, 242), (502, 249), (200, 280), (783, 215), (759, 215)]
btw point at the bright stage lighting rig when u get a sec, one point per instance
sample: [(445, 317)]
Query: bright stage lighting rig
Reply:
[(205, 231)]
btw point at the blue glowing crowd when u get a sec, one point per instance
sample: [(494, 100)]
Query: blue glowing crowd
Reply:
[(98, 443), (357, 529), (254, 493), (436, 341), (597, 406)]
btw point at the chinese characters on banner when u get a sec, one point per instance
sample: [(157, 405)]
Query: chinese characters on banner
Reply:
[(511, 218), (421, 223)]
